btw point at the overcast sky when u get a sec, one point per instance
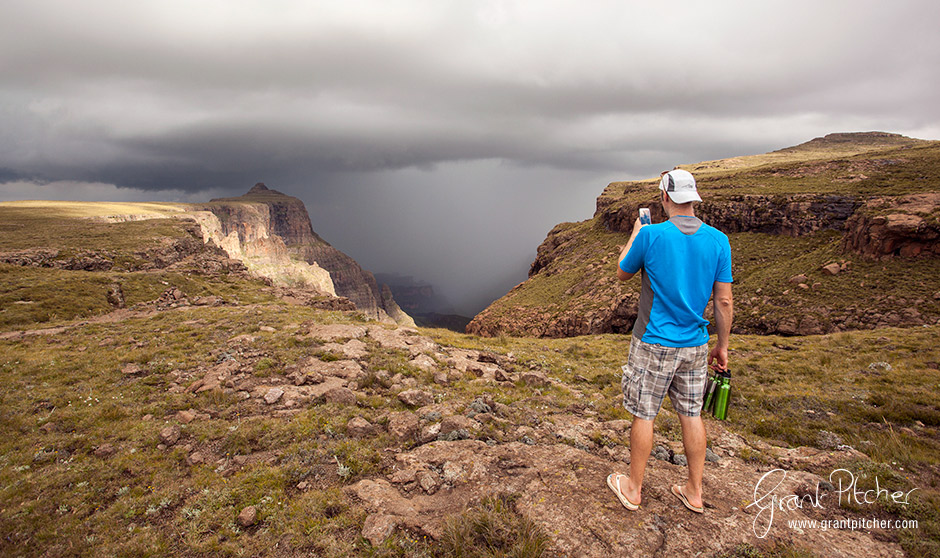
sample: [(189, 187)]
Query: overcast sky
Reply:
[(439, 139)]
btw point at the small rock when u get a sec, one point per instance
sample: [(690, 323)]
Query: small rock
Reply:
[(502, 376), (832, 269), (129, 368), (679, 459), (415, 398), (424, 362), (880, 366), (428, 481), (303, 485), (535, 379), (170, 435), (273, 395), (247, 517), (403, 426), (104, 450), (378, 527), (358, 427), (268, 329), (185, 417), (147, 418), (453, 472), (403, 476), (429, 433), (441, 378), (801, 278), (195, 458), (340, 396), (455, 422), (711, 456)]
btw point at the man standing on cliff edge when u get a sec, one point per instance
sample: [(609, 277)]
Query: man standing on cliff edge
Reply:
[(683, 263)]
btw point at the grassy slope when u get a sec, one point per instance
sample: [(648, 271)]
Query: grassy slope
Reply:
[(71, 227), (48, 296)]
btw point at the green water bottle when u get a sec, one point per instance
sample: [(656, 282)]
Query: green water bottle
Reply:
[(711, 386), (721, 398)]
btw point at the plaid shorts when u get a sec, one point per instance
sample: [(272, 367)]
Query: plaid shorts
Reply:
[(652, 371)]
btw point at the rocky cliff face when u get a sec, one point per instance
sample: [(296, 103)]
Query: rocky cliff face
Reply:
[(245, 235), (819, 245), (274, 230), (884, 228)]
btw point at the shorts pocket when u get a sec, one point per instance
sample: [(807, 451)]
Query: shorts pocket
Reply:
[(630, 385)]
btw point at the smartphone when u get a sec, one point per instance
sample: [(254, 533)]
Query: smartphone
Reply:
[(645, 216)]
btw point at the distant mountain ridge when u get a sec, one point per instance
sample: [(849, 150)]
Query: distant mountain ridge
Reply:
[(841, 232)]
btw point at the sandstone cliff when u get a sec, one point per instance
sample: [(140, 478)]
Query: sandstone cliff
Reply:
[(823, 240), (274, 232)]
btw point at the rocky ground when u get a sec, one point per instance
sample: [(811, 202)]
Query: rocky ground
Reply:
[(448, 442)]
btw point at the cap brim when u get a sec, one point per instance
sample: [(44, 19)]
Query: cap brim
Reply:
[(684, 197)]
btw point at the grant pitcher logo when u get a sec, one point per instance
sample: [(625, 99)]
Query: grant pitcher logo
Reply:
[(768, 501)]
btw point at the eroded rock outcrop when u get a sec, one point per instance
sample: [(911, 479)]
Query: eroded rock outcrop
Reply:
[(245, 235), (884, 227), (273, 231)]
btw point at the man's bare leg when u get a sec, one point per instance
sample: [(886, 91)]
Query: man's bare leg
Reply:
[(693, 439), (641, 444)]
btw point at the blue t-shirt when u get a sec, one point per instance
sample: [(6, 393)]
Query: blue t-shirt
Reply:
[(681, 260)]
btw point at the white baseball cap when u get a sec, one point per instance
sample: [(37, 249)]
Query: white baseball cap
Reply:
[(680, 186)]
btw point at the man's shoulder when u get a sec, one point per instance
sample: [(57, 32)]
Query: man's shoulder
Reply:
[(713, 232), (659, 228)]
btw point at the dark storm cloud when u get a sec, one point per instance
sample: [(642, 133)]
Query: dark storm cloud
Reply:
[(345, 103)]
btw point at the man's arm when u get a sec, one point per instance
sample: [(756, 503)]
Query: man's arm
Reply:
[(724, 312), (621, 274)]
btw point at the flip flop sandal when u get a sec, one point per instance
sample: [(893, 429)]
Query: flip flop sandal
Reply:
[(685, 501), (615, 486)]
